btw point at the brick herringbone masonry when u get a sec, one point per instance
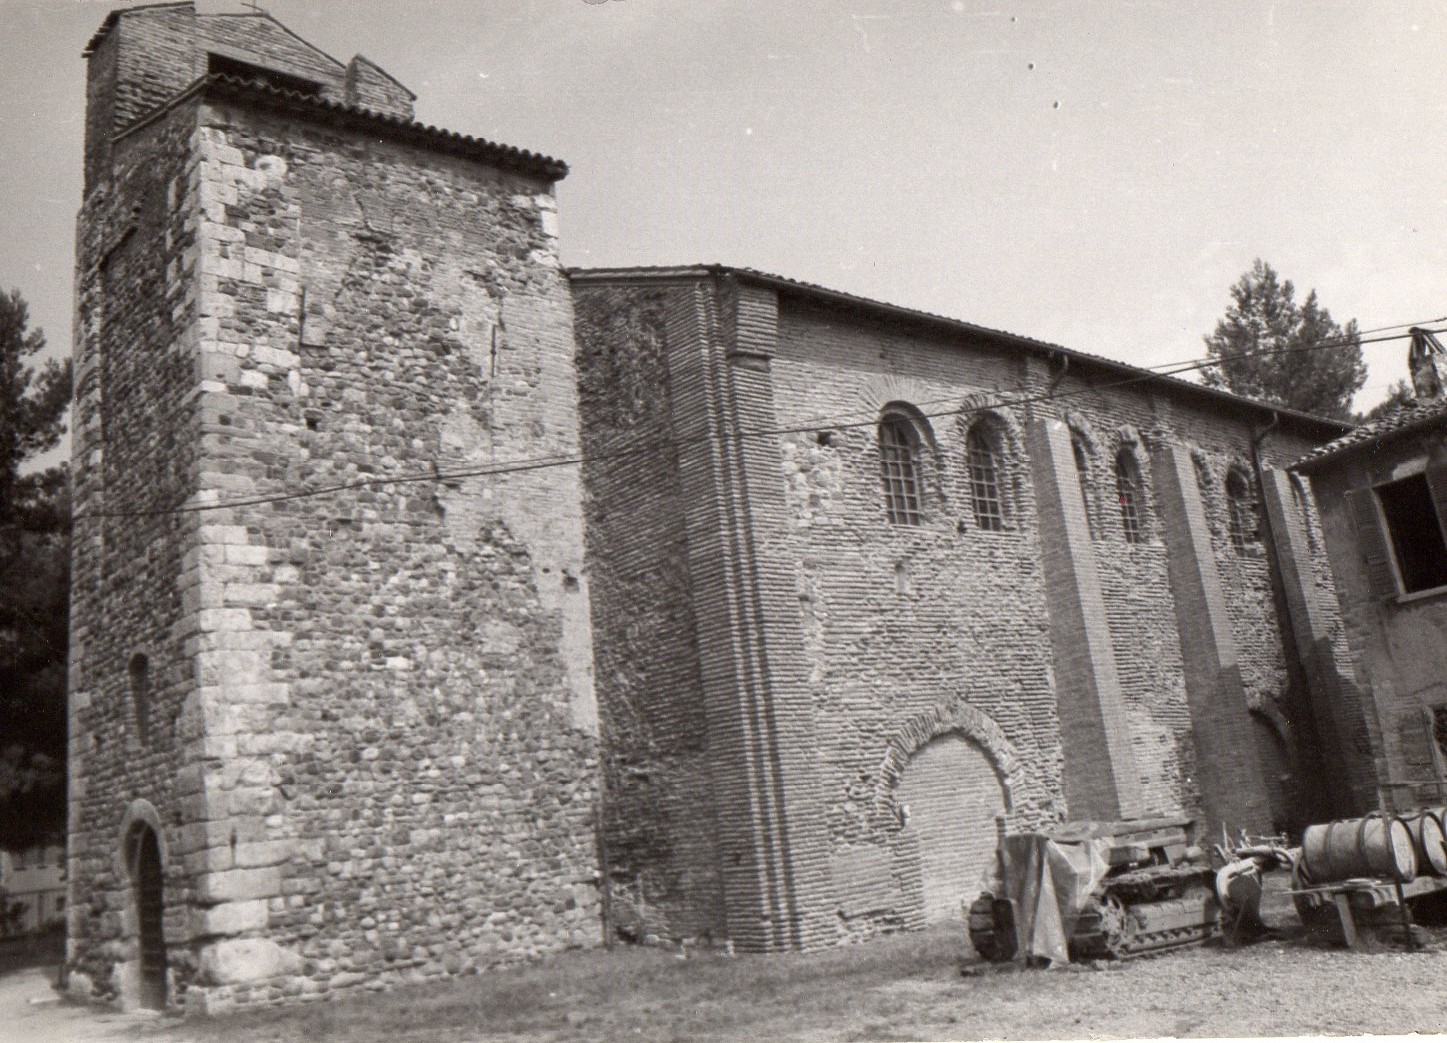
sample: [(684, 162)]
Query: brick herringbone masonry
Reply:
[(333, 715)]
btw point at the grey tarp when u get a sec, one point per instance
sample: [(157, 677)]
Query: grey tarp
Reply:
[(1048, 884)]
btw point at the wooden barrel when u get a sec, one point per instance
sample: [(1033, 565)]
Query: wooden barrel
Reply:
[(1374, 846), (1430, 839)]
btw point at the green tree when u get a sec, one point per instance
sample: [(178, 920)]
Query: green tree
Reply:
[(35, 575), (1271, 348)]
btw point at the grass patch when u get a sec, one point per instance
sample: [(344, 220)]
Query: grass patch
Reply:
[(628, 993)]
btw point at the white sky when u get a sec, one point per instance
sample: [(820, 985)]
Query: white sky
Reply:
[(908, 151)]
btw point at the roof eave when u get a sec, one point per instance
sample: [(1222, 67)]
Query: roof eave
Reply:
[(1322, 460), (792, 287), (229, 88)]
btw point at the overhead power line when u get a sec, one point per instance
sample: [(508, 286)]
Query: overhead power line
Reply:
[(830, 422)]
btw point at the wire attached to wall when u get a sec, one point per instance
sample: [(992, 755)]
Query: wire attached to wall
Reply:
[(527, 464)]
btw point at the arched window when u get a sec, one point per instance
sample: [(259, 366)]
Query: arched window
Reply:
[(1082, 472), (1241, 509), (139, 670), (982, 446), (899, 470), (1128, 491)]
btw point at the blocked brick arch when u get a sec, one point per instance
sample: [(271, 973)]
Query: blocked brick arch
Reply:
[(1276, 751), (946, 784)]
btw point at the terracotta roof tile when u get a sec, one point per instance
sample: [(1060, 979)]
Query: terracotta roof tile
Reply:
[(1418, 414), (396, 127)]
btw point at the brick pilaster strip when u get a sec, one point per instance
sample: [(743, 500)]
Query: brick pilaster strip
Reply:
[(1228, 774), (1337, 708), (1101, 780), (771, 842)]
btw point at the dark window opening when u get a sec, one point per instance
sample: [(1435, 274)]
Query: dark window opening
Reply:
[(899, 471), (148, 887), (140, 678), (982, 450), (1242, 519), (220, 64), (1128, 490), (1439, 728), (1416, 533)]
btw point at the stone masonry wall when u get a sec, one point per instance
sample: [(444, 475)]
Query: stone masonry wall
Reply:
[(388, 768), (1394, 684), (420, 714), (134, 450), (150, 55)]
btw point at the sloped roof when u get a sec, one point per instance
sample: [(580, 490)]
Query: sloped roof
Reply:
[(883, 309), (1419, 414), (396, 128), (115, 16)]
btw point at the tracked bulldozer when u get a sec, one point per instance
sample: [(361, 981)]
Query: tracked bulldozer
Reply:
[(1096, 890)]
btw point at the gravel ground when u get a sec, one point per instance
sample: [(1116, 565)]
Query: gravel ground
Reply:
[(924, 986)]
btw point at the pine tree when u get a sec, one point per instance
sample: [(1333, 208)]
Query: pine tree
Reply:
[(1271, 348), (34, 573)]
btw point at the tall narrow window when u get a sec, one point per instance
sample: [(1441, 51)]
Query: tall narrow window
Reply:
[(1128, 490), (899, 471), (1082, 472), (983, 450), (1242, 516), (140, 677)]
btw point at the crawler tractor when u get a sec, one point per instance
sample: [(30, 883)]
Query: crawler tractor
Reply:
[(1099, 890)]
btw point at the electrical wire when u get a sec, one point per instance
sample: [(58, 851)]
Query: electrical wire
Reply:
[(822, 422)]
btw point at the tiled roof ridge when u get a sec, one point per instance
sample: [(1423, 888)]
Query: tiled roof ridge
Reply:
[(843, 296), (508, 156), (1409, 417)]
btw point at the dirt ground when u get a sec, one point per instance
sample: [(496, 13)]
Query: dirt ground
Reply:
[(902, 987)]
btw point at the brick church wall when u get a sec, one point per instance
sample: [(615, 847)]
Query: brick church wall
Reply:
[(661, 824), (912, 633)]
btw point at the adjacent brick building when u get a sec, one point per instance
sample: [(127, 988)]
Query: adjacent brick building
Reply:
[(868, 586), (339, 739), (1383, 491)]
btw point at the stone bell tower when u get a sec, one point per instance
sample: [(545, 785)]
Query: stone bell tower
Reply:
[(332, 715)]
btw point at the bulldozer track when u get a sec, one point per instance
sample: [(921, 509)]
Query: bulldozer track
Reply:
[(1111, 929)]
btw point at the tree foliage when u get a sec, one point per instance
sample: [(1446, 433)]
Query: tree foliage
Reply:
[(1271, 348), (1398, 394), (35, 575)]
